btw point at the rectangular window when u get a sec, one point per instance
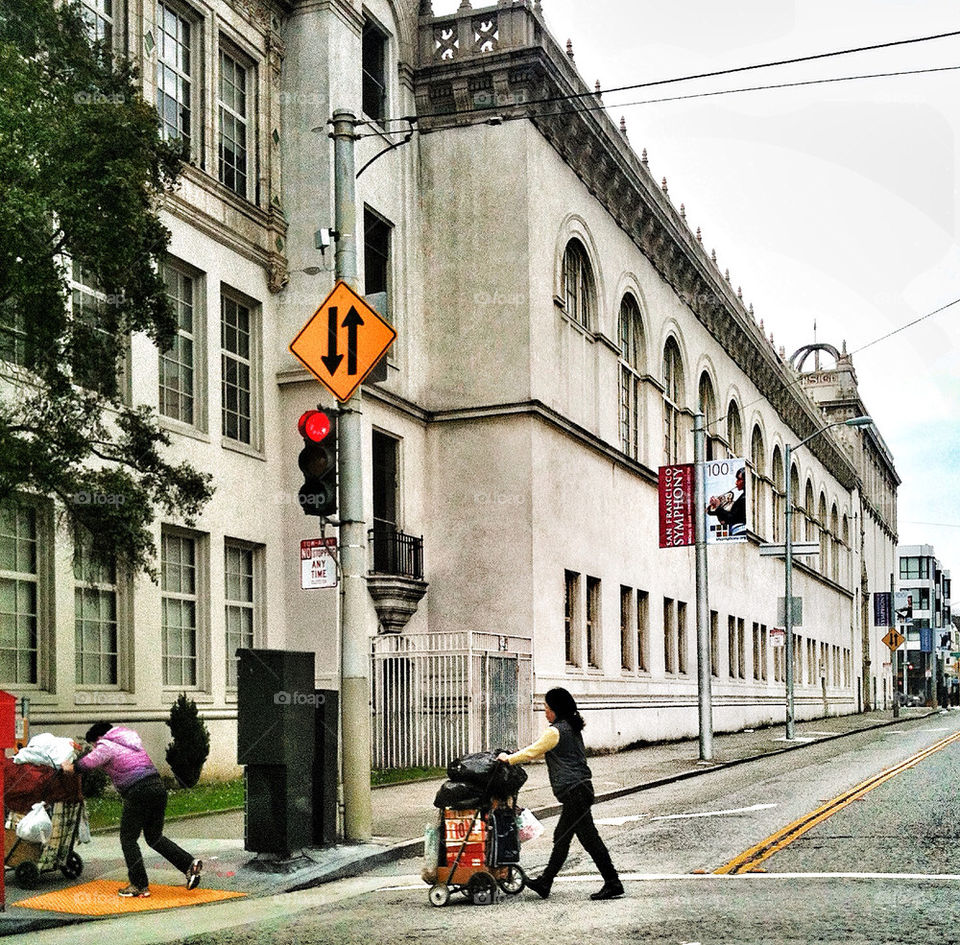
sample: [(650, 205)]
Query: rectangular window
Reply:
[(732, 646), (178, 364), (626, 627), (95, 619), (669, 636), (714, 643), (13, 335), (756, 650), (763, 651), (377, 234), (571, 602), (175, 57), (682, 636), (19, 593), (98, 16), (236, 342), (643, 631), (741, 651), (797, 659), (914, 567), (593, 621), (374, 59), (232, 115), (240, 614), (93, 366), (179, 596)]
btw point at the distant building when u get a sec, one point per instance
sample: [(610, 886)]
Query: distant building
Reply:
[(931, 635)]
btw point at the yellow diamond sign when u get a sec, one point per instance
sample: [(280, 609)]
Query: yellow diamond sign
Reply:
[(342, 342), (893, 639)]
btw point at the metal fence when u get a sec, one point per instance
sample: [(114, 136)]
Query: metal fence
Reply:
[(437, 696), (396, 553)]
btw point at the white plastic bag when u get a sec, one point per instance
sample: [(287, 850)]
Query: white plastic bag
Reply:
[(36, 826), (431, 853), (83, 830), (528, 826)]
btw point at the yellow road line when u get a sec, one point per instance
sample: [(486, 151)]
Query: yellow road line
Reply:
[(749, 859)]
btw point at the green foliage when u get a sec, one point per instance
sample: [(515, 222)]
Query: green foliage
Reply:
[(83, 168), (190, 746), (93, 783)]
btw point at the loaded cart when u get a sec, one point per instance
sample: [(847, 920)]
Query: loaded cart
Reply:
[(25, 785), (476, 842)]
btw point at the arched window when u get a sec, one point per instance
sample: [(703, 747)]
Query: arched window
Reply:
[(756, 482), (835, 532), (734, 429), (824, 536), (810, 513), (672, 401), (796, 509), (707, 402), (845, 550), (578, 289), (631, 367), (776, 474)]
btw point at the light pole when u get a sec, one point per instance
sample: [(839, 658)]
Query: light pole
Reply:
[(788, 558)]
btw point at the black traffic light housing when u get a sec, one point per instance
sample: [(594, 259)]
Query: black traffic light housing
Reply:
[(318, 463)]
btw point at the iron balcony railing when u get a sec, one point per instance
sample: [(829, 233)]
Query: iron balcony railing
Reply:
[(396, 553)]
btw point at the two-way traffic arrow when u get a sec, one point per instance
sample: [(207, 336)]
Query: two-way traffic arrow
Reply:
[(351, 322)]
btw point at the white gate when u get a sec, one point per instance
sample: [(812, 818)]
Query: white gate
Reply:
[(436, 696)]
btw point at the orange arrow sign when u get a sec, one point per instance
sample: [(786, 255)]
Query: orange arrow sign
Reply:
[(893, 639), (342, 342)]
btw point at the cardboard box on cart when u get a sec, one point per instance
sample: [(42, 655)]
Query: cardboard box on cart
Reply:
[(457, 826)]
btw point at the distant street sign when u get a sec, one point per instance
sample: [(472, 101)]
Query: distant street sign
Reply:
[(778, 636), (798, 548), (894, 639), (342, 342)]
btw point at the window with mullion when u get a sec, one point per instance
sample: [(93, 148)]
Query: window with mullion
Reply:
[(232, 115), (93, 363), (631, 360), (175, 36), (239, 603), (99, 19), (177, 365), (374, 66), (237, 368), (19, 593), (178, 567), (578, 284), (672, 400), (95, 619)]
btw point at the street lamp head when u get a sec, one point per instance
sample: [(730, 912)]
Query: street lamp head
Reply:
[(858, 421)]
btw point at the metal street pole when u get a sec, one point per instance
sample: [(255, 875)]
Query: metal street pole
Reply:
[(703, 606), (354, 660), (895, 656), (788, 591)]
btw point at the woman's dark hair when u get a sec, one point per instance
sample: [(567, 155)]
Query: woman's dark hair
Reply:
[(565, 707), (97, 730)]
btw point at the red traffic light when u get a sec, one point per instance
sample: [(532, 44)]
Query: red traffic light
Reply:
[(314, 425)]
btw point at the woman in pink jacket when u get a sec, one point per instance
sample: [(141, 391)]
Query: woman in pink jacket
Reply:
[(120, 752)]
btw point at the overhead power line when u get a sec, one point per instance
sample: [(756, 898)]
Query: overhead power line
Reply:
[(573, 96)]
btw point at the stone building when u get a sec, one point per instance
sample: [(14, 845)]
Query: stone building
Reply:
[(558, 324)]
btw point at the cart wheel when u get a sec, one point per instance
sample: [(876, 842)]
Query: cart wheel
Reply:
[(515, 880), (27, 875), (439, 895), (482, 888), (72, 866)]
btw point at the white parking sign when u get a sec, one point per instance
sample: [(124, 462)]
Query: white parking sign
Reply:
[(318, 563)]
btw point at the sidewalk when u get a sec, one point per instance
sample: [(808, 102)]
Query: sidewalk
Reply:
[(399, 815)]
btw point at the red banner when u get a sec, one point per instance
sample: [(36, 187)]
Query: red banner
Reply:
[(676, 505)]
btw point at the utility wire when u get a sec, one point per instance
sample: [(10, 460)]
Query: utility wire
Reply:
[(708, 75)]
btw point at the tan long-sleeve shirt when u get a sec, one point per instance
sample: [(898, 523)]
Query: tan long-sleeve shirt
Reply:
[(549, 739)]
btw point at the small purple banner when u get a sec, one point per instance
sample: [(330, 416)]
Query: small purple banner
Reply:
[(882, 611)]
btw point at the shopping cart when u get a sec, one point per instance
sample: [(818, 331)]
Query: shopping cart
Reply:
[(24, 786)]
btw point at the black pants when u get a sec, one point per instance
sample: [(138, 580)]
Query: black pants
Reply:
[(144, 806), (576, 820)]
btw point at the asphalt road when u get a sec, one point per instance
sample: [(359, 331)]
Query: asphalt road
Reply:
[(882, 868)]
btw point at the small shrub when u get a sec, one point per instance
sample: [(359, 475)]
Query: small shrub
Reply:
[(190, 746), (93, 783)]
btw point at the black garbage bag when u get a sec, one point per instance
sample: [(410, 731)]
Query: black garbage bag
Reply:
[(458, 795), (494, 778)]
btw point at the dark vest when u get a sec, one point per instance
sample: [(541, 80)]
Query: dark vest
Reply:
[(567, 763)]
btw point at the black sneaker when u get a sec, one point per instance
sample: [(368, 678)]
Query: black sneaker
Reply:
[(607, 891), (193, 874), (540, 886), (134, 892)]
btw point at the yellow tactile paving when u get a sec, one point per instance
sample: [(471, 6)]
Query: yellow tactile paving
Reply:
[(99, 897)]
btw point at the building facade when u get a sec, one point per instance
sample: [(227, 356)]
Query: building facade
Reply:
[(931, 667), (559, 325)]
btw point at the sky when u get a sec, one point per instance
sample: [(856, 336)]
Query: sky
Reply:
[(832, 204)]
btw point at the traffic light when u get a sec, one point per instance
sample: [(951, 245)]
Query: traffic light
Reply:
[(318, 462)]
